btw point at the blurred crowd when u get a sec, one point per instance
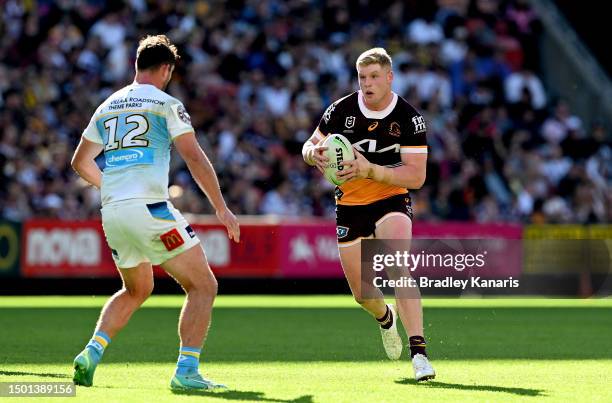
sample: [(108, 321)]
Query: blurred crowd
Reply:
[(256, 75)]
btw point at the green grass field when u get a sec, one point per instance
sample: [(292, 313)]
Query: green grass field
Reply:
[(321, 349)]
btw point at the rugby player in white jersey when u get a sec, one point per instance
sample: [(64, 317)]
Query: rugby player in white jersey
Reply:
[(135, 128), (389, 138)]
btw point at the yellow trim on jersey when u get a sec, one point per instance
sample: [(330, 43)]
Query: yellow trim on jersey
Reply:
[(191, 353)]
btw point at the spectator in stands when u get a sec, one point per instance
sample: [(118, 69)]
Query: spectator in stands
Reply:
[(523, 82)]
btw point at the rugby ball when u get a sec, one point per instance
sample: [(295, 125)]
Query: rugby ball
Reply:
[(338, 149)]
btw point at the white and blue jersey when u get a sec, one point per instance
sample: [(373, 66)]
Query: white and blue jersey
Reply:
[(136, 125)]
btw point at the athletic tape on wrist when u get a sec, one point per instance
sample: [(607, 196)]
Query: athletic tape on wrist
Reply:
[(382, 174), (308, 153)]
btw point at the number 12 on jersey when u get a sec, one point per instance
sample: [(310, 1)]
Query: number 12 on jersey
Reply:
[(133, 126)]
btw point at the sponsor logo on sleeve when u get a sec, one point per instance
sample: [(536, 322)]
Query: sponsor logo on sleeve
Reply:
[(419, 124), (328, 112), (183, 115)]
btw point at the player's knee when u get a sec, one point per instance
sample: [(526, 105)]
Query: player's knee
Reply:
[(205, 284), (141, 292), (210, 287)]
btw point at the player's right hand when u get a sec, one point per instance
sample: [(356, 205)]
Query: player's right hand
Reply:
[(319, 157), (230, 221)]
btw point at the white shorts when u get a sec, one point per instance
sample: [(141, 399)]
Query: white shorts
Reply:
[(141, 230)]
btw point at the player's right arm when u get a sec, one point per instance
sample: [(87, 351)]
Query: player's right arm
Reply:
[(84, 158), (84, 161), (312, 151), (204, 174)]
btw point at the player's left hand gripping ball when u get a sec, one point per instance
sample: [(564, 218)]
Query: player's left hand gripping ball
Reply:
[(359, 168)]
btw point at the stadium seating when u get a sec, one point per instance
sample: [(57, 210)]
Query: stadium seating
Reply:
[(256, 77)]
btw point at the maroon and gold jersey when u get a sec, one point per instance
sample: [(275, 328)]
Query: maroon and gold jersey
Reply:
[(381, 136)]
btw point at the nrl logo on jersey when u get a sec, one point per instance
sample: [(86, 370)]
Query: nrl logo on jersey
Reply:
[(349, 122)]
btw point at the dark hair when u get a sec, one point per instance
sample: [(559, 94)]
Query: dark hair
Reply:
[(155, 50)]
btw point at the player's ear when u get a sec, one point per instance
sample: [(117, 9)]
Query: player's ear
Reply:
[(390, 75), (166, 69)]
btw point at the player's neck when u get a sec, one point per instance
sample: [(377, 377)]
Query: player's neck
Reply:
[(143, 78), (381, 105)]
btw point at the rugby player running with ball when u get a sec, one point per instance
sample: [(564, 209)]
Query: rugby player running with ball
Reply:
[(389, 141)]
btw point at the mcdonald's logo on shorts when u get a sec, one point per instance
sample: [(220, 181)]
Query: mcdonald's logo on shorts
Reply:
[(172, 239)]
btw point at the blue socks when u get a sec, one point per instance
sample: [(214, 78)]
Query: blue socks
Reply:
[(188, 361), (98, 344)]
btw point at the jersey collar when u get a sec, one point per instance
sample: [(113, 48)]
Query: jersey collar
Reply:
[(370, 114)]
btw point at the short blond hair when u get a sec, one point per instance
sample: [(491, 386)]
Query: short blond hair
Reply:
[(374, 56)]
